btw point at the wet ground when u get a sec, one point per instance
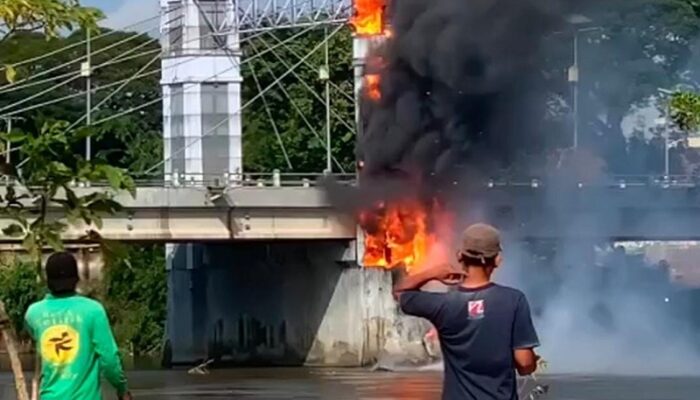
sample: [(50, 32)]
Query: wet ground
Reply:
[(299, 383)]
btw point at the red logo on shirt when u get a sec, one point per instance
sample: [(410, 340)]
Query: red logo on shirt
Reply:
[(476, 309)]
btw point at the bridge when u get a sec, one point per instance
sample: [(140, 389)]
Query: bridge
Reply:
[(293, 207), (246, 254)]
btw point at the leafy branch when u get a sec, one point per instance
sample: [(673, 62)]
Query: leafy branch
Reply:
[(685, 110), (46, 181), (46, 16)]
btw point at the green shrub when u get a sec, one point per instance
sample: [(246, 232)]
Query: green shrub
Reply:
[(135, 291), (19, 288)]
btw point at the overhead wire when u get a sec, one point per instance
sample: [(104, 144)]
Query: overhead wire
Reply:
[(84, 57), (154, 101), (73, 45), (272, 120), (211, 26), (311, 90), (244, 106), (78, 94), (298, 110), (308, 64)]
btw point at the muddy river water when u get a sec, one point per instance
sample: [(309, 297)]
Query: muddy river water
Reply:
[(352, 384)]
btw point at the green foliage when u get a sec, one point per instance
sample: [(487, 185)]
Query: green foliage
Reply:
[(132, 141), (135, 297), (19, 288), (628, 51), (685, 110), (306, 149), (46, 16), (45, 179)]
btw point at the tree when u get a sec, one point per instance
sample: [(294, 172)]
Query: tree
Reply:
[(631, 49), (46, 178), (685, 110), (305, 149), (134, 140), (45, 16), (135, 298)]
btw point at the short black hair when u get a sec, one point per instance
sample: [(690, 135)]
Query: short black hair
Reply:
[(62, 273), (469, 261)]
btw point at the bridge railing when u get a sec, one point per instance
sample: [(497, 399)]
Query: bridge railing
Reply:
[(612, 181), (270, 179), (285, 179)]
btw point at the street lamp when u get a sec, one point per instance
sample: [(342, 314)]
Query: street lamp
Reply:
[(576, 21), (668, 144)]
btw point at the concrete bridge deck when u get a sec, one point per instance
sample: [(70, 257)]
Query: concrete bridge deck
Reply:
[(624, 209)]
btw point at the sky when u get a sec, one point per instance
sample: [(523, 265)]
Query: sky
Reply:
[(122, 13)]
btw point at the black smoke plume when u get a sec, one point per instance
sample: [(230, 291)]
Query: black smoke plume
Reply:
[(459, 85)]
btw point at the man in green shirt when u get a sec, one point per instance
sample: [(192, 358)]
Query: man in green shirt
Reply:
[(73, 338)]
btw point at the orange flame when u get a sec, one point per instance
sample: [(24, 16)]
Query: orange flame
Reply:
[(368, 19), (398, 235), (372, 86)]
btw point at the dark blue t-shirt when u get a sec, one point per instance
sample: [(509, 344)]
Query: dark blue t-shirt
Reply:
[(478, 330)]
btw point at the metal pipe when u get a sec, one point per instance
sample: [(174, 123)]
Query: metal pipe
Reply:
[(575, 89), (9, 144), (329, 151), (88, 97)]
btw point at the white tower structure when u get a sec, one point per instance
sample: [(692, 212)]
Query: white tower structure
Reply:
[(201, 82)]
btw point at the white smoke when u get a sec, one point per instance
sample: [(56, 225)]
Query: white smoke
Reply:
[(625, 322)]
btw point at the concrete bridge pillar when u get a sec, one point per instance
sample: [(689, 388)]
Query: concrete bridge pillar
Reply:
[(276, 303), (201, 84)]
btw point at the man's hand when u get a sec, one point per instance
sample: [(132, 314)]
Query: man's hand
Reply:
[(446, 274), (441, 272), (126, 396)]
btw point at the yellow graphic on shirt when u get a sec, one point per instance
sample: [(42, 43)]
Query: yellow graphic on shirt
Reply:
[(60, 344)]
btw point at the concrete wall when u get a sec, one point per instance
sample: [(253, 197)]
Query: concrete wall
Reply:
[(277, 303)]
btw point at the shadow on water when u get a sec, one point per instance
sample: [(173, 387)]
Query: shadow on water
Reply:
[(130, 363)]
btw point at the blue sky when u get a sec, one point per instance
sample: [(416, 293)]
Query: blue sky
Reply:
[(121, 13), (105, 5)]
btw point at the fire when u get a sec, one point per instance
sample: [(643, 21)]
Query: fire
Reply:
[(399, 235), (369, 17), (372, 86)]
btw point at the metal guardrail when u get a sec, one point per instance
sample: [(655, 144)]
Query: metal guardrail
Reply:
[(279, 179), (614, 181)]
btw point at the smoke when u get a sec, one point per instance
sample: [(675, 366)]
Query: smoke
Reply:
[(459, 84), (463, 98), (599, 310)]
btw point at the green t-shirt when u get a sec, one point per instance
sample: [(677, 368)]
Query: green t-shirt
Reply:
[(76, 343)]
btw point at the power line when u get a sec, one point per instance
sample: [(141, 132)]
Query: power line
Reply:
[(272, 120), (79, 59), (298, 110), (309, 88), (73, 45), (154, 101), (115, 60), (244, 106), (308, 64), (117, 90)]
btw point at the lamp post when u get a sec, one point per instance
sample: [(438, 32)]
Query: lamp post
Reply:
[(576, 21), (668, 144)]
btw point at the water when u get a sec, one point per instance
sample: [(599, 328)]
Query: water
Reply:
[(360, 384)]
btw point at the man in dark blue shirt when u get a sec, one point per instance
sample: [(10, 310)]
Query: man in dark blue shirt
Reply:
[(485, 330)]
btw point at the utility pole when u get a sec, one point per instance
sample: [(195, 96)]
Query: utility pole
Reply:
[(329, 152), (573, 79), (86, 71), (8, 126)]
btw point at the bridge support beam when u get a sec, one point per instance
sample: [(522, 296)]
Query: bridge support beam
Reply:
[(277, 303)]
